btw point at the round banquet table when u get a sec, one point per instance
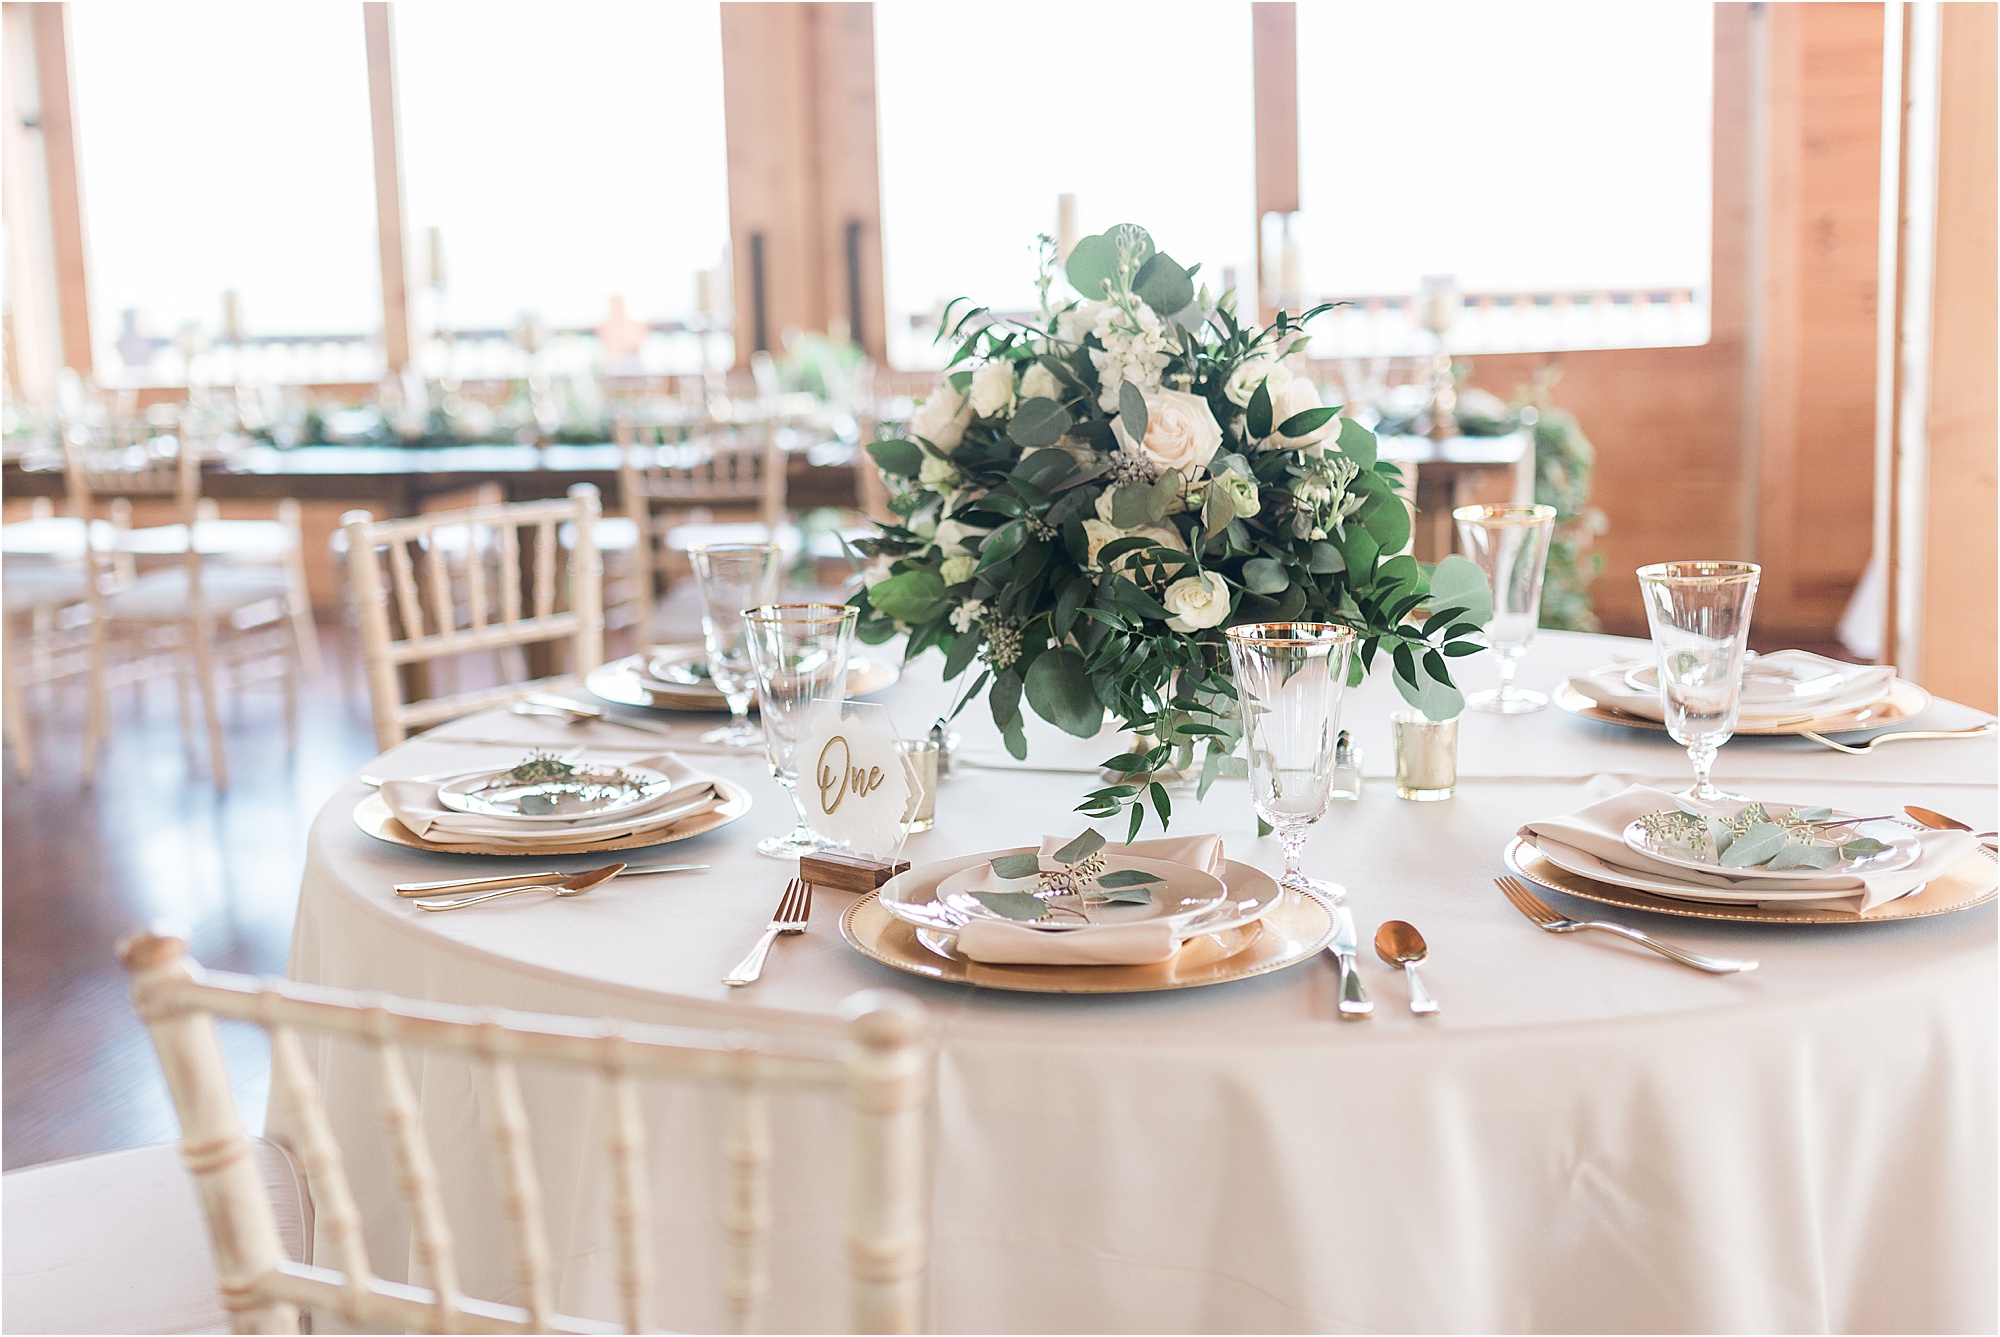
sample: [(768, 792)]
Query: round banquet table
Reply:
[(1588, 1137)]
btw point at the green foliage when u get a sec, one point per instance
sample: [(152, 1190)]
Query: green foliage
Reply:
[(1564, 462)]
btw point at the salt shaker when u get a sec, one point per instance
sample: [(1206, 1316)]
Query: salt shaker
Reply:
[(1346, 767)]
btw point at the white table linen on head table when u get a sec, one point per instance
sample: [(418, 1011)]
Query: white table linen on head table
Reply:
[(1587, 1137)]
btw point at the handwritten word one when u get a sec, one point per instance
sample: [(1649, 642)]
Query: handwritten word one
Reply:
[(836, 782)]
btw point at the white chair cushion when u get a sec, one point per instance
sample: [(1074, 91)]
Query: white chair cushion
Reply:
[(117, 1242), (612, 533), (683, 537), (239, 540), (162, 596), (35, 584)]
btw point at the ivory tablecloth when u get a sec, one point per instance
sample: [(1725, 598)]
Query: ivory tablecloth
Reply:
[(1587, 1138)]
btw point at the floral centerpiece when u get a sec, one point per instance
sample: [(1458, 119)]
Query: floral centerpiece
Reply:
[(1090, 498)]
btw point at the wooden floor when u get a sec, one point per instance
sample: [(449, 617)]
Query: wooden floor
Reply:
[(151, 841)]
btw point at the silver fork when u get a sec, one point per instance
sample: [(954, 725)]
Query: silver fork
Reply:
[(794, 912), (1538, 911), (1865, 747)]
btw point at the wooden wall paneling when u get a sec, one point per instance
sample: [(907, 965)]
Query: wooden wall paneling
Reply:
[(1274, 63), (65, 191), (850, 178), (34, 324), (379, 32), (1815, 390), (1960, 639)]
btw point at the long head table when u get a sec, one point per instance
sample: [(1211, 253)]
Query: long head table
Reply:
[(1587, 1137)]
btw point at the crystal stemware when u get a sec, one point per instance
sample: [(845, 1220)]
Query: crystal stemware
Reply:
[(799, 652), (1511, 545), (733, 577), (1699, 613), (1289, 680)]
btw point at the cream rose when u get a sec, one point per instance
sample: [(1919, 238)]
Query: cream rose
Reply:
[(1097, 533), (1298, 396), (1251, 373), (992, 390), (939, 475), (1197, 601), (1180, 431), (1038, 382), (956, 537), (957, 570), (942, 419)]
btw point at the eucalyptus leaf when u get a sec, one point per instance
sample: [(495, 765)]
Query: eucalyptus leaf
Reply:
[(1127, 877), (1264, 576), (1814, 814), (1131, 507), (1357, 443), (1013, 904), (910, 596), (1132, 411), (1092, 263), (1012, 866), (1804, 856), (1038, 422), (1058, 687), (1126, 895), (1755, 846), (1162, 284), (1437, 700), (1861, 847), (1085, 845), (1458, 581), (897, 457), (1257, 418)]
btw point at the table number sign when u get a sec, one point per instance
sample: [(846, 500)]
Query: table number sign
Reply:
[(855, 784)]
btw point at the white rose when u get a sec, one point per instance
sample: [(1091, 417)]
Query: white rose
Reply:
[(1097, 533), (1197, 601), (1180, 431), (1038, 382), (957, 570), (1252, 372), (955, 536), (1298, 396), (992, 389), (1078, 321), (939, 475), (941, 419), (1103, 505)]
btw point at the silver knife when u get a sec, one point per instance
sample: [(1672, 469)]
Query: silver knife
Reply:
[(528, 879), (1354, 1000)]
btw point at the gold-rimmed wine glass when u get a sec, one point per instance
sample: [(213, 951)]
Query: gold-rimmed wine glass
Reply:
[(1511, 545), (1290, 677), (800, 655), (1699, 613), (731, 578)]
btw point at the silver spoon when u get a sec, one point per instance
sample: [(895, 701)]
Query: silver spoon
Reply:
[(569, 886), (1400, 944)]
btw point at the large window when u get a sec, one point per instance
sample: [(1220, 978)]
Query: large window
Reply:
[(989, 112), (1553, 158), (227, 189), (560, 160)]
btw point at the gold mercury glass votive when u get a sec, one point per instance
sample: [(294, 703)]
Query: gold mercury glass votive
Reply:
[(1426, 756), (923, 755)]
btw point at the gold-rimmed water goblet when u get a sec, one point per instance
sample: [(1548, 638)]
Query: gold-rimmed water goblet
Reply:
[(1290, 677), (1511, 545), (800, 653), (1699, 613), (731, 578)]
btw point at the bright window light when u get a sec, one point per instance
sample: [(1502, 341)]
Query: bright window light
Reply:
[(224, 148), (988, 112)]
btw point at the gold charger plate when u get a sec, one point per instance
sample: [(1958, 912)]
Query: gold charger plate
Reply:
[(374, 818), (1904, 701), (623, 682), (1970, 883), (1298, 928)]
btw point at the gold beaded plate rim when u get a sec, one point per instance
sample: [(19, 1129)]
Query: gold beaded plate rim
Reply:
[(623, 682), (375, 818), (1955, 891), (1296, 930), (1905, 700)]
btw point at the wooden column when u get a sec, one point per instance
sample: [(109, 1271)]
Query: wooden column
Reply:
[(49, 24), (388, 145), (1274, 63), (805, 196), (1958, 630)]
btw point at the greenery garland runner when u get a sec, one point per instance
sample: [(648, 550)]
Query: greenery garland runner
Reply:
[(1088, 500)]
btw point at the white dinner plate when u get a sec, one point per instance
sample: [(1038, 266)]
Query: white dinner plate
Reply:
[(603, 790), (1583, 864), (1181, 896), (1903, 849)]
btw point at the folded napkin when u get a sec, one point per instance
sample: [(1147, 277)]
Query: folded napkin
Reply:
[(1007, 942), (416, 806), (1598, 831), (1861, 685)]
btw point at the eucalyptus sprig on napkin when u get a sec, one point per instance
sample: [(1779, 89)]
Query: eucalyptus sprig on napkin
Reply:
[(1753, 838), (1082, 875)]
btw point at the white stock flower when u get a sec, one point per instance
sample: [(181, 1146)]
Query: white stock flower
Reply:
[(1197, 601), (941, 419), (1135, 352), (1297, 397), (992, 390), (966, 616), (938, 475), (1181, 433), (957, 570), (1242, 384), (1078, 321), (1038, 382)]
